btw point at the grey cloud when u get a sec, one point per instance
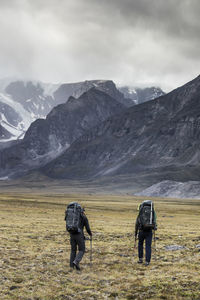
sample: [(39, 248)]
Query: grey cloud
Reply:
[(130, 41)]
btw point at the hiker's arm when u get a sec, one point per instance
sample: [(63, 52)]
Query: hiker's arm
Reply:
[(87, 226)]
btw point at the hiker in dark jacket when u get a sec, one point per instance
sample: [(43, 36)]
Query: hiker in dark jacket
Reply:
[(145, 224), (77, 240)]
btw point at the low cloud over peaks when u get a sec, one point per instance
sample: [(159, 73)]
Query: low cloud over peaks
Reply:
[(140, 42)]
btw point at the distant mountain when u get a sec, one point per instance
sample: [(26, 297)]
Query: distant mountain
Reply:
[(95, 136), (159, 137), (22, 102), (140, 95), (77, 89), (47, 138)]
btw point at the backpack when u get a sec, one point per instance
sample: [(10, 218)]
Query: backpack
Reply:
[(146, 215), (73, 217)]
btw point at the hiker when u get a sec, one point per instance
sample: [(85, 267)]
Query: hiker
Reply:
[(76, 220), (145, 223)]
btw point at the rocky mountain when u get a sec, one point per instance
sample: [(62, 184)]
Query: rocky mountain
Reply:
[(140, 95), (47, 138), (77, 89), (22, 102), (173, 189), (159, 137)]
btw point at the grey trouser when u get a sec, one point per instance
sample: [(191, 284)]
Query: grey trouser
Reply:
[(77, 240)]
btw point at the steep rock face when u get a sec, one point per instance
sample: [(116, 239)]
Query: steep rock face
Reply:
[(46, 139), (140, 95), (153, 135), (69, 121)]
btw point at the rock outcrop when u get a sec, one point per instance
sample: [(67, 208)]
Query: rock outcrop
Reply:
[(173, 189)]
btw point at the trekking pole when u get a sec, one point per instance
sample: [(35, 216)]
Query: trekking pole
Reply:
[(154, 239), (135, 245), (135, 242), (90, 251)]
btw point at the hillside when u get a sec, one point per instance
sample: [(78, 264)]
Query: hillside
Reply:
[(158, 136)]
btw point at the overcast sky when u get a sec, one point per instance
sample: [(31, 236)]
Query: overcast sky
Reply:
[(133, 42)]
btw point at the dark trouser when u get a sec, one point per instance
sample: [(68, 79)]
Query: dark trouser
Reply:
[(147, 236), (77, 240)]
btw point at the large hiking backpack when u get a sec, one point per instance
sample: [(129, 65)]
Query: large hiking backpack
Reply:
[(73, 217), (146, 215)]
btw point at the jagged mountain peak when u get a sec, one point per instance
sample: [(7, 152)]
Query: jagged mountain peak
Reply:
[(140, 95), (31, 100), (35, 99), (91, 98), (154, 135)]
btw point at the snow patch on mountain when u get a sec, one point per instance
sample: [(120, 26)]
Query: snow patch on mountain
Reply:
[(4, 178), (140, 95), (18, 108), (24, 118), (10, 128)]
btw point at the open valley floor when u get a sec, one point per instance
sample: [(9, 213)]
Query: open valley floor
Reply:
[(34, 250)]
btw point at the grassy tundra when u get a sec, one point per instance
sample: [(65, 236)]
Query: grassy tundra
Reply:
[(34, 249)]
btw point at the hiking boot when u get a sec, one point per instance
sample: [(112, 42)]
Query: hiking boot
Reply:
[(76, 266), (147, 263), (140, 261)]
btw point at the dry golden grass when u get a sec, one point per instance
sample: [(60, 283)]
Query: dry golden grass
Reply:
[(34, 250)]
